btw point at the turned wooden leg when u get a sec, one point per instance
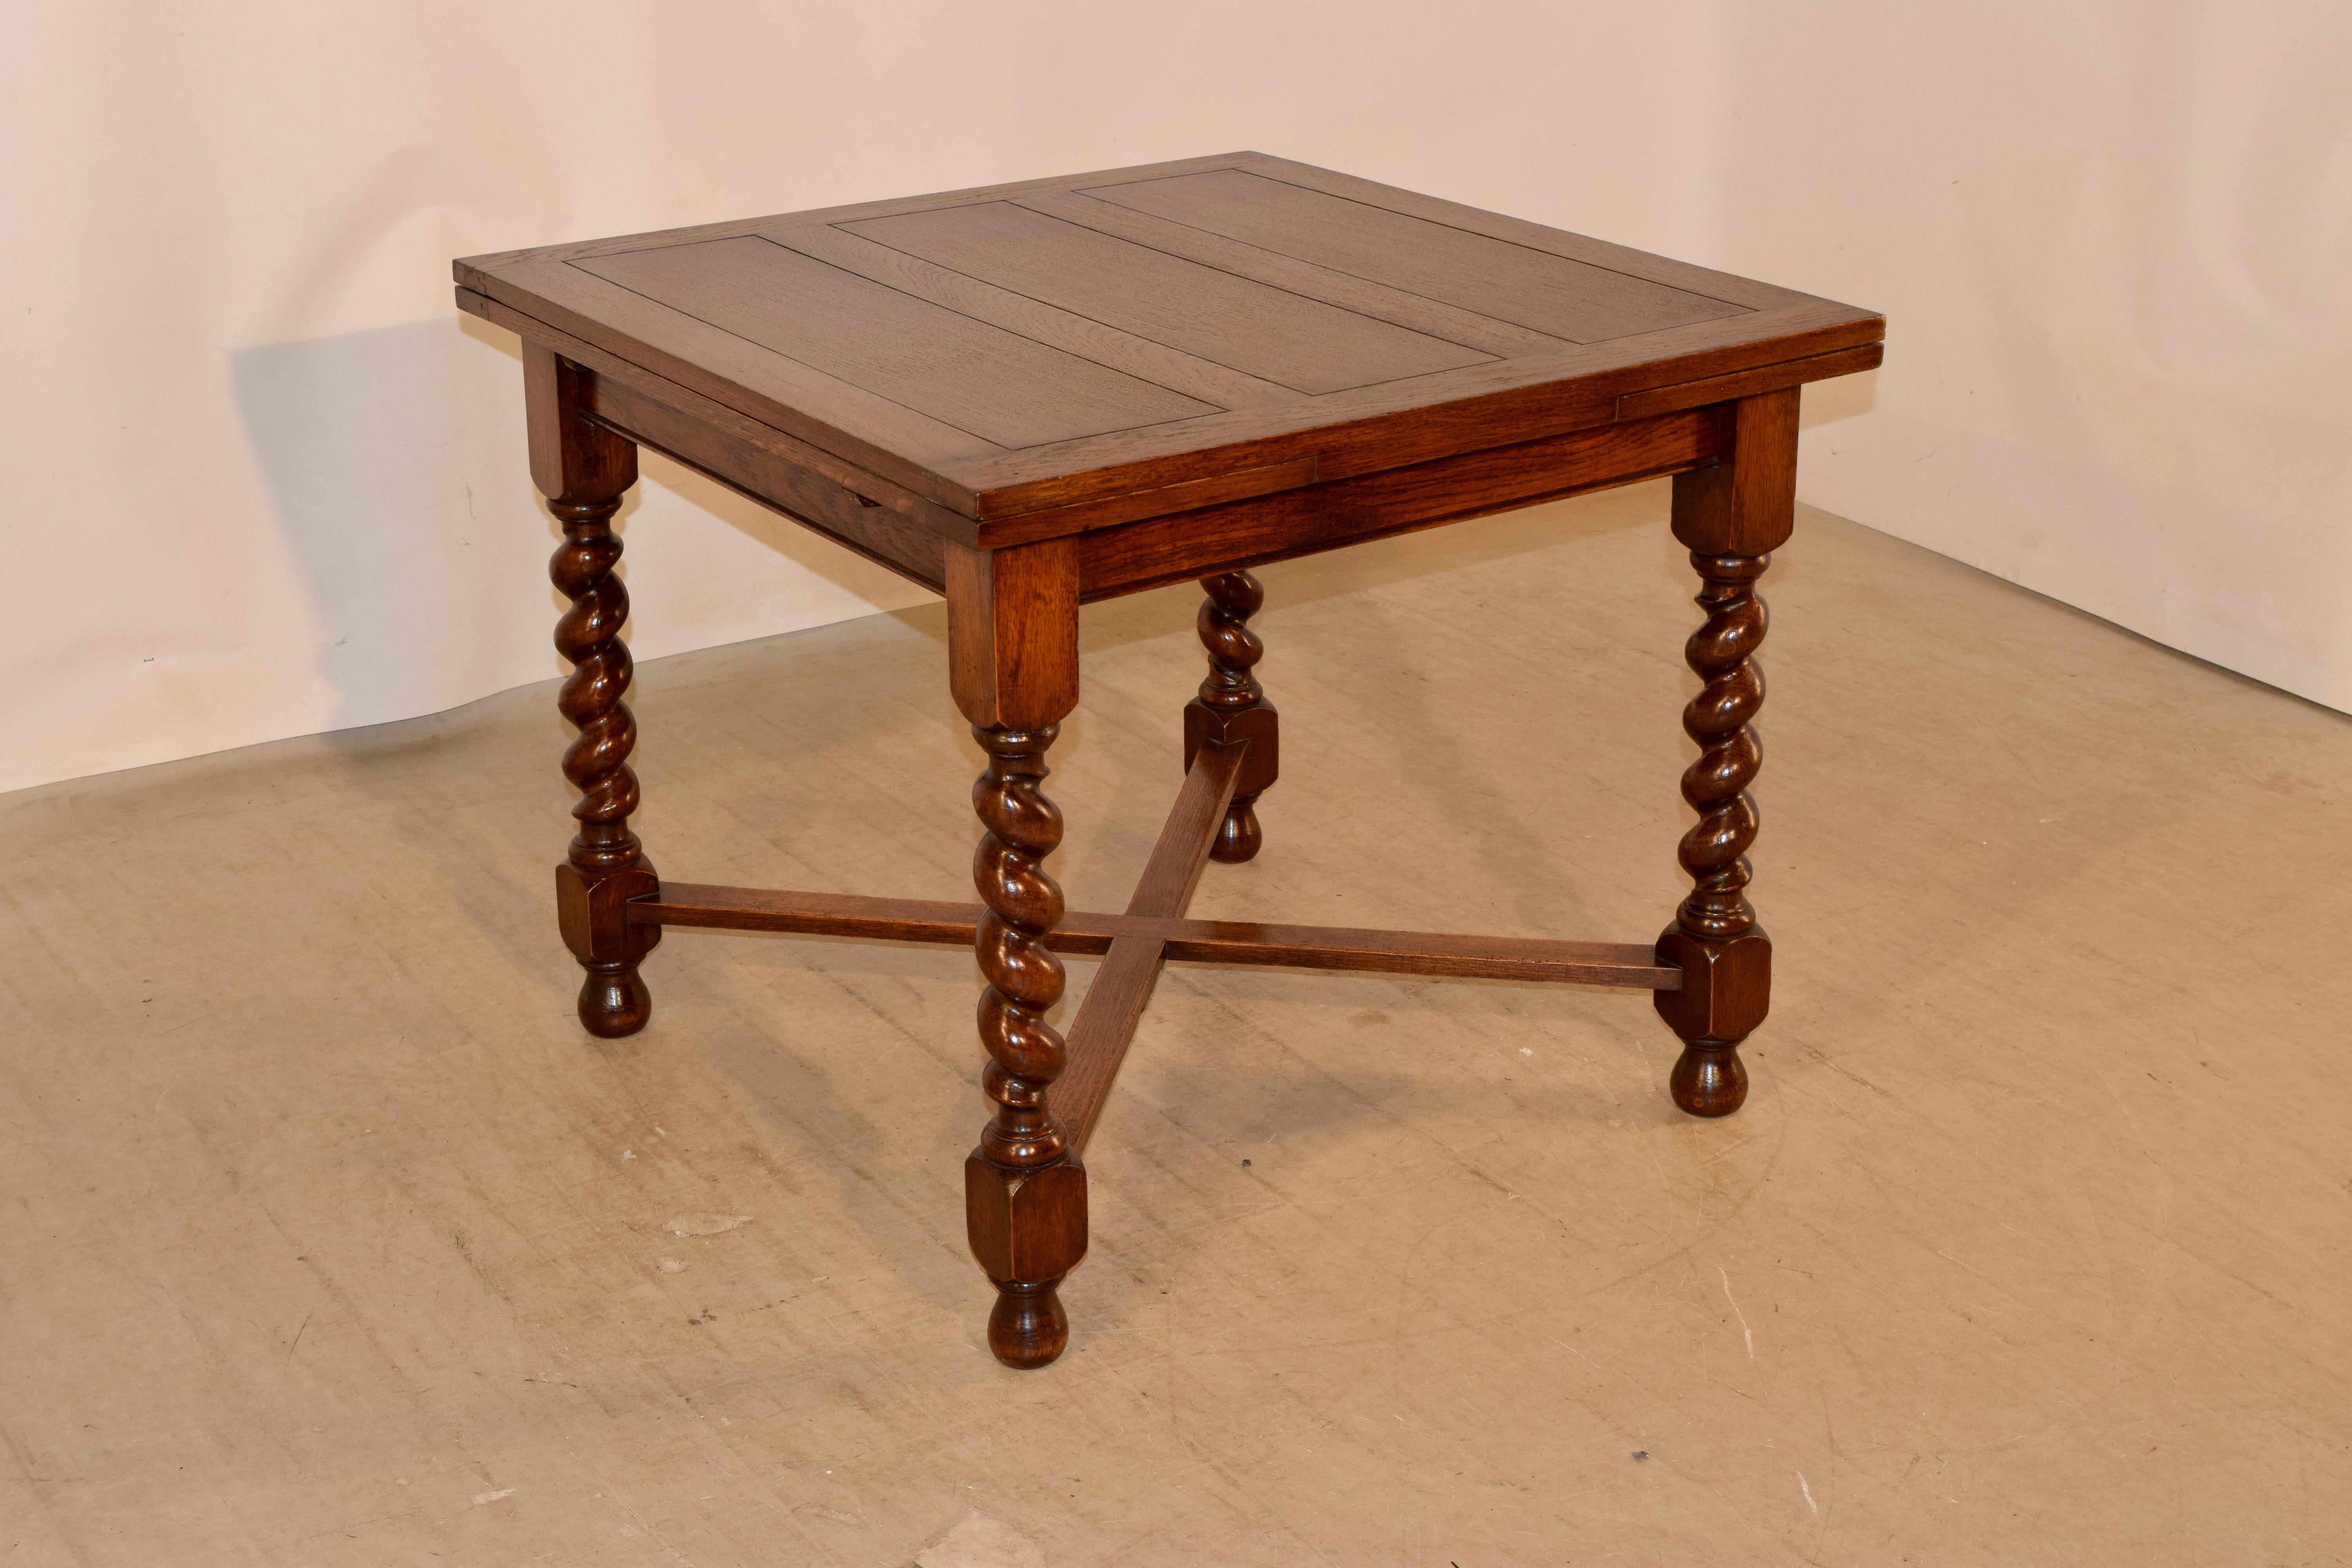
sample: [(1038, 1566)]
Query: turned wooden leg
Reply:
[(1231, 706), (1012, 657), (1725, 959), (1024, 1192), (1731, 517), (584, 469)]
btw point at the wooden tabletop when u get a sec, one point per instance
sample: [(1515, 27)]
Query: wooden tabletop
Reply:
[(1104, 346)]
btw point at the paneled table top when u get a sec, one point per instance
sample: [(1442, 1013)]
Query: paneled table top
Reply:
[(1030, 360)]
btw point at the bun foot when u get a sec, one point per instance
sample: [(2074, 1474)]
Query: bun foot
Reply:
[(1709, 1080), (1028, 1329), (1239, 839), (1232, 708), (614, 1002)]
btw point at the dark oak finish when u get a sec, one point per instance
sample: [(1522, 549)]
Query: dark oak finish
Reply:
[(1352, 948), (1112, 337), (1115, 1002), (583, 470), (1013, 632), (1013, 665), (1035, 395), (1568, 300), (1005, 1179), (1160, 550), (1232, 709), (1732, 516)]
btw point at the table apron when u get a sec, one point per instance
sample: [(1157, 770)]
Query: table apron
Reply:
[(842, 514), (1249, 533)]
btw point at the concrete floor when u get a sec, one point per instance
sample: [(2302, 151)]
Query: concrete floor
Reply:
[(332, 1239)]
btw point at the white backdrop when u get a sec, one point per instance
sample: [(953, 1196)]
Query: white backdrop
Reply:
[(261, 482)]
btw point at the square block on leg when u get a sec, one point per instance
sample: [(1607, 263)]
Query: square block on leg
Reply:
[(1028, 1226), (1725, 990), (1727, 986), (1260, 726), (592, 911)]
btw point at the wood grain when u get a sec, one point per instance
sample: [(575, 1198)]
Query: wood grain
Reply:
[(1105, 1026), (1240, 484), (611, 370), (1730, 516), (1024, 1247), (1438, 955), (1013, 632), (569, 455), (1287, 337), (1052, 346), (724, 446), (1540, 289), (852, 424), (845, 213), (1005, 389), (583, 470), (1748, 504), (1411, 421), (1182, 848), (1361, 295), (1219, 385), (1230, 709), (1683, 275), (720, 908), (1747, 382), (1630, 964), (1323, 517)]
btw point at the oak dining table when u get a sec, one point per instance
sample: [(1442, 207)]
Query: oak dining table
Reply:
[(1035, 395)]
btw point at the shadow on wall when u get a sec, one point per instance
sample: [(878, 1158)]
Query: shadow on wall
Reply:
[(395, 460), (371, 444)]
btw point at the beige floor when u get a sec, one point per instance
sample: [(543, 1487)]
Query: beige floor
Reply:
[(331, 1239)]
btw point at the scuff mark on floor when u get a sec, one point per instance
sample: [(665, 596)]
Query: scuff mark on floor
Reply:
[(980, 1542), (1744, 1332), (704, 1223)]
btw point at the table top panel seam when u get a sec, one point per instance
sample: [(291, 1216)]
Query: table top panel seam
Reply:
[(1490, 356), (972, 509), (730, 228), (1246, 277), (901, 403), (536, 314), (1320, 266), (795, 359), (1457, 228), (917, 310), (1515, 230), (1732, 305), (975, 473), (1050, 305)]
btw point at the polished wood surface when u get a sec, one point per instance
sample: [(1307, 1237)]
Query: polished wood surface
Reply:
[(583, 470), (1230, 709), (1263, 529), (1362, 950), (1057, 356), (1022, 980), (1012, 633), (1105, 1023), (1013, 668), (1732, 516), (1033, 395)]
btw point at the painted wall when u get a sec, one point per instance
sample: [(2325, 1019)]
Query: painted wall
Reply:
[(262, 481)]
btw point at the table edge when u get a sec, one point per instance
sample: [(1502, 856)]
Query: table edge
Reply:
[(954, 501)]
